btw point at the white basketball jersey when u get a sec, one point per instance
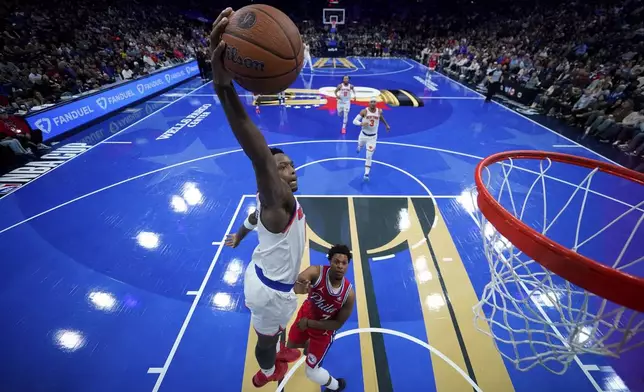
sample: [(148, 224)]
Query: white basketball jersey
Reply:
[(345, 92), (373, 120), (307, 52), (280, 255)]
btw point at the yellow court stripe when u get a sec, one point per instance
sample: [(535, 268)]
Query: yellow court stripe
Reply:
[(320, 62), (349, 63), (302, 91), (413, 100), (302, 102), (366, 347), (438, 323), (490, 370), (397, 240)]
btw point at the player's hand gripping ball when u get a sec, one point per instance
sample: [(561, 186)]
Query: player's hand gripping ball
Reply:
[(263, 50)]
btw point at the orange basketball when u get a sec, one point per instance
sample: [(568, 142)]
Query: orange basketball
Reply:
[(264, 50)]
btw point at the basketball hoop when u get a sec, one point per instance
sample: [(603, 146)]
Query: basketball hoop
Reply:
[(553, 294)]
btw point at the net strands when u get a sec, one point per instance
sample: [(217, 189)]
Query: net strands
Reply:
[(537, 316)]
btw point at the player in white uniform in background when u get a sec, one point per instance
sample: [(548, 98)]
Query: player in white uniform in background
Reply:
[(345, 93), (272, 274), (369, 119), (307, 56)]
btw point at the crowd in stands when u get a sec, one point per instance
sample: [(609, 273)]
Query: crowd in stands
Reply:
[(585, 58), (55, 49)]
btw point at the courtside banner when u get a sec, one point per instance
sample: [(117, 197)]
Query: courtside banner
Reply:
[(60, 119)]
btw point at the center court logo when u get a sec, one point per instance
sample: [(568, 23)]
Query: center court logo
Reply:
[(102, 103), (44, 124)]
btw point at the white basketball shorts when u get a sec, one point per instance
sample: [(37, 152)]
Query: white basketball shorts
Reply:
[(271, 310), (344, 106), (369, 141)]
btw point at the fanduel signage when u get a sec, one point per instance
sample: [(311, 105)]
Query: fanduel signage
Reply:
[(63, 118)]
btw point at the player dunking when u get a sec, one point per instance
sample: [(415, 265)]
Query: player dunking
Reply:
[(345, 93), (307, 56), (369, 119), (273, 270), (327, 308)]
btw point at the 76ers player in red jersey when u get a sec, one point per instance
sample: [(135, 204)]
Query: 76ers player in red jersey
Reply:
[(327, 308), (275, 265)]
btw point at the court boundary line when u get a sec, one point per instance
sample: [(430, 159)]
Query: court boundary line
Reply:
[(102, 141), (278, 145), (360, 61), (197, 297), (384, 331), (566, 146), (521, 115)]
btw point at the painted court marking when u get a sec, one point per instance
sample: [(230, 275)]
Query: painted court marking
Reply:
[(197, 294), (102, 142), (566, 146), (206, 278), (412, 339), (277, 145), (385, 257)]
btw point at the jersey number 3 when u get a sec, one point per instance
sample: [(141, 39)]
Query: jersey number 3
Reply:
[(372, 122)]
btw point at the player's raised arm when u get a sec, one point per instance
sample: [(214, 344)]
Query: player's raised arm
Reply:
[(274, 192), (341, 318)]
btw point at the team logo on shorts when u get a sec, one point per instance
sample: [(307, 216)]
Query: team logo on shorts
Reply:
[(312, 359)]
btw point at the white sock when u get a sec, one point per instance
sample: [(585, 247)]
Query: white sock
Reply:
[(321, 376), (367, 166), (269, 372), (333, 384)]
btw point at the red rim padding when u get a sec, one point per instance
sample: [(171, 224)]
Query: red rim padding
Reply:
[(616, 286)]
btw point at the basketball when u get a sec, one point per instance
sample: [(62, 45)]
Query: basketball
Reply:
[(264, 50)]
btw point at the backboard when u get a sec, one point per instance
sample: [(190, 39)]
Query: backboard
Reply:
[(331, 15)]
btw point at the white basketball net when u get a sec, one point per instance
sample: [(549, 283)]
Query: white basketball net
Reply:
[(535, 316)]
